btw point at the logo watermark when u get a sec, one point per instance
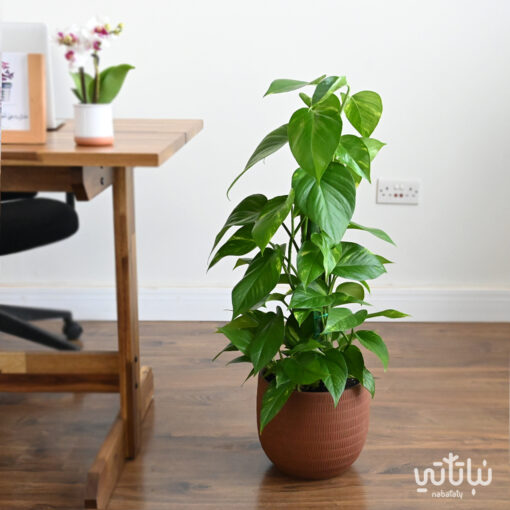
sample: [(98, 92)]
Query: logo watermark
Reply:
[(455, 472)]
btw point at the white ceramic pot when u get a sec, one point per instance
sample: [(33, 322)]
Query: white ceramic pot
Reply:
[(93, 124)]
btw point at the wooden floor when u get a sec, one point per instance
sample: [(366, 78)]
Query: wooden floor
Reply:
[(446, 391)]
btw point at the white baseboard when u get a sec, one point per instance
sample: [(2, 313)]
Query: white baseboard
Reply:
[(203, 304)]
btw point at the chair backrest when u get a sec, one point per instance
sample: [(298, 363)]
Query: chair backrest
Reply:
[(15, 195), (27, 222)]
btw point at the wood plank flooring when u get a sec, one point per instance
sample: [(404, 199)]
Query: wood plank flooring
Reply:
[(446, 390)]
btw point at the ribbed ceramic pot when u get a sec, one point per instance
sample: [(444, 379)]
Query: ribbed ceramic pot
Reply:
[(310, 438), (93, 124)]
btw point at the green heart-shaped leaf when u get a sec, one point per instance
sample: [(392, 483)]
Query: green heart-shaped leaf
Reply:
[(353, 153), (273, 400), (364, 110), (315, 296), (327, 87), (230, 347), (286, 85), (240, 243), (309, 263), (342, 319), (267, 341), (313, 138), (330, 252), (271, 217), (373, 146), (352, 289), (336, 373), (304, 368), (270, 144), (245, 213), (373, 342), (368, 381), (377, 232), (355, 362), (239, 332), (328, 203), (309, 346), (390, 314), (357, 263), (305, 98), (259, 280)]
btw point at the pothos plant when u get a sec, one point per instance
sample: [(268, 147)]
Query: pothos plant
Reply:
[(319, 281)]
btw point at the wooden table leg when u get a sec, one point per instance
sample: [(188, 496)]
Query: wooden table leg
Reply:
[(127, 308), (136, 385), (105, 472)]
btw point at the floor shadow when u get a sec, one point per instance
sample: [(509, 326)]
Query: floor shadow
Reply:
[(279, 489)]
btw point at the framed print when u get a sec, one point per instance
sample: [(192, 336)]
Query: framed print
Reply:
[(23, 98)]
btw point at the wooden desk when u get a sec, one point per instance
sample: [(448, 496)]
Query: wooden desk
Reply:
[(61, 166)]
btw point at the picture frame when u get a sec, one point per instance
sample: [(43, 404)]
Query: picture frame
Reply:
[(23, 98)]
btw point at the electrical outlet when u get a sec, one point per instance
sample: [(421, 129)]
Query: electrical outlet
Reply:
[(398, 192)]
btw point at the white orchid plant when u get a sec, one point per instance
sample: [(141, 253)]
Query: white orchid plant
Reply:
[(83, 46)]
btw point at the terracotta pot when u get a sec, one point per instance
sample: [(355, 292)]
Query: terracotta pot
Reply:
[(93, 124), (310, 438)]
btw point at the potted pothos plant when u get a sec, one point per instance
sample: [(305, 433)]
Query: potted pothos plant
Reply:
[(93, 117), (313, 386)]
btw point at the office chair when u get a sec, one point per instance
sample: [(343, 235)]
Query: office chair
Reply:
[(28, 222)]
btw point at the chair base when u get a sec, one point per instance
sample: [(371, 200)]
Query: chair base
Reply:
[(13, 320)]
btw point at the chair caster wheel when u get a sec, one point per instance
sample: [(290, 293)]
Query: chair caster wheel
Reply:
[(72, 330)]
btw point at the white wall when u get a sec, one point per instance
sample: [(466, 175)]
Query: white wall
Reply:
[(441, 67)]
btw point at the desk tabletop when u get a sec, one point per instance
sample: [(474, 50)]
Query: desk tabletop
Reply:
[(138, 142)]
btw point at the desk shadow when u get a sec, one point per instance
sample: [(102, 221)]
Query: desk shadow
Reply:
[(277, 490)]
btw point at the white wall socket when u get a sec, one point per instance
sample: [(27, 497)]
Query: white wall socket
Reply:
[(398, 192)]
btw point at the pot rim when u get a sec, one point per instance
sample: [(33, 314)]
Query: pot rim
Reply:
[(313, 393)]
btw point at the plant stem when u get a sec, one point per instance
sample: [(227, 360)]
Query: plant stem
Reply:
[(291, 266), (291, 236), (345, 100), (289, 250), (95, 57), (83, 86), (288, 276), (317, 324), (287, 272), (300, 224), (332, 281), (324, 315)]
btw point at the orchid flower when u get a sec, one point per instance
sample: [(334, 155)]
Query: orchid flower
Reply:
[(83, 44), (78, 46)]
